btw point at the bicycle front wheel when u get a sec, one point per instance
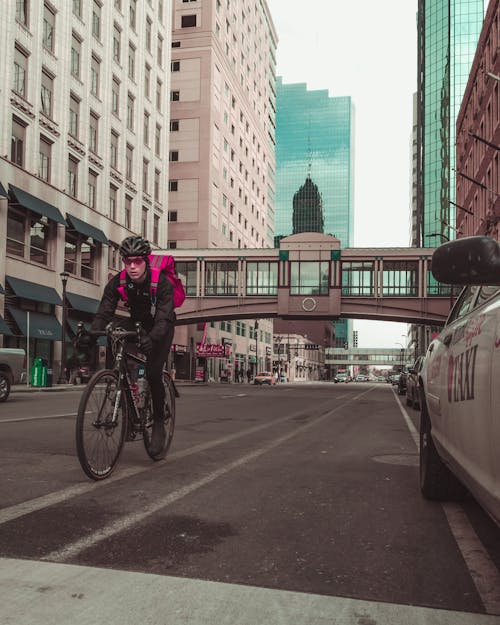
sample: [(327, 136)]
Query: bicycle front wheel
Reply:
[(169, 420), (101, 425)]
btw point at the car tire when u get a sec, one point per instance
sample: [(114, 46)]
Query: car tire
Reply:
[(437, 482), (4, 387)]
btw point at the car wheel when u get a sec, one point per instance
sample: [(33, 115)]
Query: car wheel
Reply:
[(4, 387), (437, 482)]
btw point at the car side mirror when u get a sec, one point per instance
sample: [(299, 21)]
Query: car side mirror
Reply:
[(471, 260)]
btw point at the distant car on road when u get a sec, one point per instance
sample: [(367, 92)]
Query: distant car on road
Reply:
[(265, 377), (460, 392), (341, 376), (412, 384)]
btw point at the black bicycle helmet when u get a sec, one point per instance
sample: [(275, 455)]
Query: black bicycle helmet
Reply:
[(135, 246)]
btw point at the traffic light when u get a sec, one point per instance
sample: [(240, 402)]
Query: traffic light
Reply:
[(355, 338), (346, 345)]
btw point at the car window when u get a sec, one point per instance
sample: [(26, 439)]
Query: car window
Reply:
[(485, 292), (464, 303)]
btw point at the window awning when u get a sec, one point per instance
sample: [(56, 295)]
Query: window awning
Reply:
[(86, 229), (37, 205), (40, 326), (80, 302), (4, 328), (3, 191), (2, 290), (36, 292)]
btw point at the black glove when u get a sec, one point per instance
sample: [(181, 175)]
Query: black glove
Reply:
[(84, 341), (146, 345)]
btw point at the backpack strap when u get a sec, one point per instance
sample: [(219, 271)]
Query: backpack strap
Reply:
[(153, 287), (122, 289)]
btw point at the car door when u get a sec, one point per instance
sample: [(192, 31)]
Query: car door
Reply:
[(465, 427)]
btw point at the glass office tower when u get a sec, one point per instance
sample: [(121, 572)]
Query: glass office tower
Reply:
[(314, 154), (448, 32), (314, 168)]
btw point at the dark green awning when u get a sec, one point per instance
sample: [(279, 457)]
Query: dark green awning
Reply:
[(85, 304), (37, 205), (3, 191), (86, 229), (40, 326), (4, 328), (2, 290), (36, 292)]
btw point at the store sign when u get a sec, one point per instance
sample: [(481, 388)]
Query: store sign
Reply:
[(214, 350)]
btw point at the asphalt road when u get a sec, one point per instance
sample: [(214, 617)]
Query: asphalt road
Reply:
[(291, 504)]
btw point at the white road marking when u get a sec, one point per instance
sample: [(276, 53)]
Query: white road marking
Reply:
[(43, 593), (128, 521), (38, 417), (482, 570)]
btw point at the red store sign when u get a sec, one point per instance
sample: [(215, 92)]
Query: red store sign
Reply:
[(215, 350)]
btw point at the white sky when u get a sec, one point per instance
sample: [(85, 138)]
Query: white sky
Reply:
[(365, 49)]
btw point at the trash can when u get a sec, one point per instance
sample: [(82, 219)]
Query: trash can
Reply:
[(49, 377), (36, 372)]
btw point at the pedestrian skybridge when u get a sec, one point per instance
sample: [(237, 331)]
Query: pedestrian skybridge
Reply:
[(310, 277)]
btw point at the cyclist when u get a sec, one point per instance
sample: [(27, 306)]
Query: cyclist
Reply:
[(157, 320)]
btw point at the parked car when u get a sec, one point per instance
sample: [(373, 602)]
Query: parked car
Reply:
[(393, 378), (402, 381), (460, 393), (265, 378), (12, 367), (412, 385)]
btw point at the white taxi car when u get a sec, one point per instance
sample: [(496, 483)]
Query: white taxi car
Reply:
[(460, 380)]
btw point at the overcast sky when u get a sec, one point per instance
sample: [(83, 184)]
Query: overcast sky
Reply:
[(365, 49)]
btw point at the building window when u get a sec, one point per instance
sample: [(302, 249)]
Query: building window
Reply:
[(74, 115), (93, 132), (129, 162), (174, 125), (112, 202), (160, 10), (17, 142), (157, 185), (29, 236), (47, 93), (22, 11), (49, 20), (158, 95), (173, 185), (131, 62), (176, 44), (188, 21), (171, 245), (44, 159), (96, 20), (114, 150), (156, 228), (144, 222), (132, 16), (130, 111), (116, 43), (81, 256), (76, 48), (145, 176), (92, 189), (115, 96), (128, 211), (77, 8), (172, 215), (95, 70), (158, 140), (147, 81), (20, 72), (148, 34), (146, 128), (175, 96), (159, 51), (175, 66), (174, 155), (72, 177)]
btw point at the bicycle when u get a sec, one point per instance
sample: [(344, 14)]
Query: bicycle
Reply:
[(114, 410)]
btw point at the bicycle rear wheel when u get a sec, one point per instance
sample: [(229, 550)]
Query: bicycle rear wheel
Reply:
[(99, 436), (169, 420)]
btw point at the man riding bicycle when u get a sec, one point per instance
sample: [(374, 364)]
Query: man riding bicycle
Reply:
[(157, 319)]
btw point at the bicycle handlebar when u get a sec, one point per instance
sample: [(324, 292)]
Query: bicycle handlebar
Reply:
[(117, 332)]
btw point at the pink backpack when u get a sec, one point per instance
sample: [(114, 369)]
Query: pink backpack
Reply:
[(159, 264)]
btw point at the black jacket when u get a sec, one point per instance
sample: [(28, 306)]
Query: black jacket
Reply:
[(139, 304)]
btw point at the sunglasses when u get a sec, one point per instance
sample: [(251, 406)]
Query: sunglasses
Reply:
[(133, 260)]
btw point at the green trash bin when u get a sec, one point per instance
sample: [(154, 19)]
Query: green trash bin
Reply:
[(37, 372)]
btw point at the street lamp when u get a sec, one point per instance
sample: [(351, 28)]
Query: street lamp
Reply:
[(256, 346), (64, 278)]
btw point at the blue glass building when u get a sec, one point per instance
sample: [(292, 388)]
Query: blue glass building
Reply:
[(314, 167)]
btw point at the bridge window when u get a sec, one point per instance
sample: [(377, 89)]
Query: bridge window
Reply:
[(400, 278), (221, 278), (436, 288), (262, 278), (187, 273), (309, 278), (357, 278)]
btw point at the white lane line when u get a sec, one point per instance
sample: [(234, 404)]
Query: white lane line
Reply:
[(33, 505), (52, 416), (126, 522), (481, 567)]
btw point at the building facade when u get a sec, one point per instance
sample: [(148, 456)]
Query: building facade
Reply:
[(222, 144), (448, 31), (478, 137), (84, 155)]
